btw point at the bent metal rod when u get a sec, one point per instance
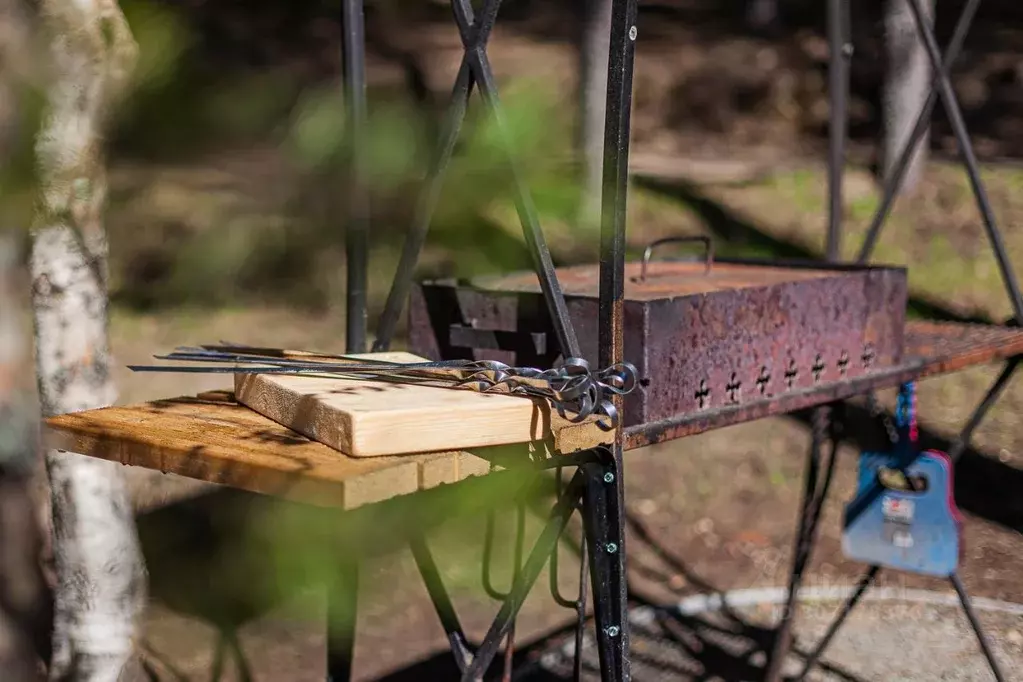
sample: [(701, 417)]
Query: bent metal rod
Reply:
[(573, 389)]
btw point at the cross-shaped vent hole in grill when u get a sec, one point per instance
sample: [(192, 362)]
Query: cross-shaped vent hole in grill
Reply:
[(703, 394), (791, 373), (817, 369), (762, 379), (868, 355), (843, 363), (733, 388)]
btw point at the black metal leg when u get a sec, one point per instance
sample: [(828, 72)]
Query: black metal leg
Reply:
[(838, 87), (813, 500), (985, 646), (441, 601), (244, 672), (217, 669), (861, 587), (990, 398), (357, 229), (603, 519), (342, 603)]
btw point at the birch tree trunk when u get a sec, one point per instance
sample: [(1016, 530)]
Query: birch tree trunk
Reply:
[(906, 85), (594, 44), (101, 578)]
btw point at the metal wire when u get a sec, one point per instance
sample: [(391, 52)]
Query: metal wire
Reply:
[(578, 604)]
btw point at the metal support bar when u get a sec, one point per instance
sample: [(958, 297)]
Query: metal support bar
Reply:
[(985, 646), (955, 116), (525, 579), (893, 183), (429, 194), (990, 398), (441, 601), (604, 520), (814, 492), (861, 587), (473, 34), (342, 603), (838, 88), (604, 504), (580, 616), (357, 229), (579, 603), (616, 180), (520, 533)]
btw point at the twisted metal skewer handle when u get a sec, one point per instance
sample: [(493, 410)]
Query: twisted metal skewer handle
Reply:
[(573, 389)]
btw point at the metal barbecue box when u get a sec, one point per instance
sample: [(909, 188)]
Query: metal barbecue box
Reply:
[(703, 335)]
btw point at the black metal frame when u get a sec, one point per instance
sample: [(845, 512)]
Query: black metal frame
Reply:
[(596, 488), (839, 23)]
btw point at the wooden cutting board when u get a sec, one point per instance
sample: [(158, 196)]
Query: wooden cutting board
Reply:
[(373, 418)]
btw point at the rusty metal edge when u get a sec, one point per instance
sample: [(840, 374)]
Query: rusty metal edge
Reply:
[(694, 423)]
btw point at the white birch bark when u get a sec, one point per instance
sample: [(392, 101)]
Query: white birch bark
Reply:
[(101, 580), (907, 83)]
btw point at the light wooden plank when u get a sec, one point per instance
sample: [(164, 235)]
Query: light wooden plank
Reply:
[(363, 418), (219, 441)]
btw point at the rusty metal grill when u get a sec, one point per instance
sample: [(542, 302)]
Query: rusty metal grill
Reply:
[(702, 338)]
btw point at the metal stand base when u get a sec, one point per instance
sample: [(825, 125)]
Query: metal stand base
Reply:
[(861, 588), (342, 603), (814, 495), (596, 490), (815, 491)]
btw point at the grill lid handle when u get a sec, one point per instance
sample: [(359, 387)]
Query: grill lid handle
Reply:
[(708, 258)]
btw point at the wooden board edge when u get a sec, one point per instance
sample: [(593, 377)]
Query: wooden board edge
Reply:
[(546, 427), (253, 390)]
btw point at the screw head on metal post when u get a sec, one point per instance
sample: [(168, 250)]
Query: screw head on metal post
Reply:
[(611, 548), (611, 631), (609, 477), (633, 33)]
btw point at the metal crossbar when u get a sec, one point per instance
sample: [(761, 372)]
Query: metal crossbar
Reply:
[(475, 70), (942, 88)]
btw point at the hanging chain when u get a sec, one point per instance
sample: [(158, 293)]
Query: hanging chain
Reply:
[(877, 412)]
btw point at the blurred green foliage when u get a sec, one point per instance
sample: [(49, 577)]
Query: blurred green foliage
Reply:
[(285, 242)]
